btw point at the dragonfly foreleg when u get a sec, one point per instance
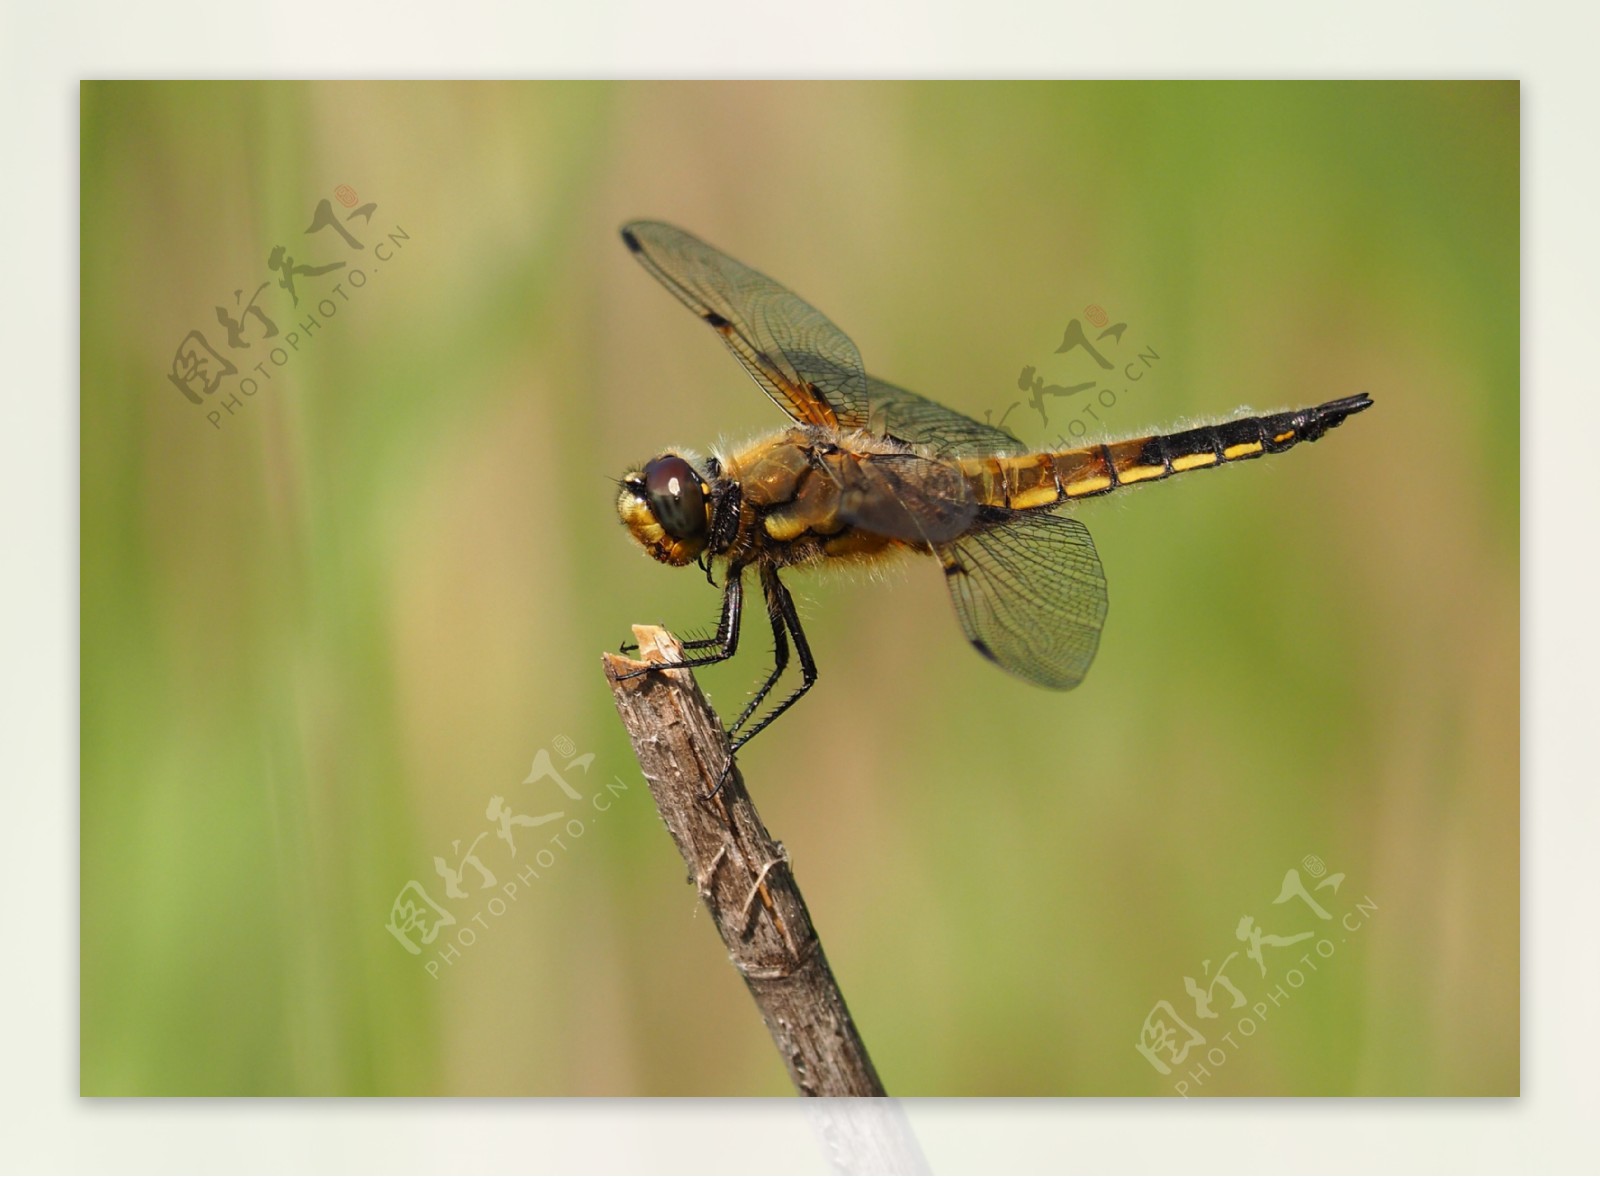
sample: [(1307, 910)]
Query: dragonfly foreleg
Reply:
[(722, 647)]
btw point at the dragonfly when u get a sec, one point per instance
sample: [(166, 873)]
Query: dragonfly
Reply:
[(869, 471)]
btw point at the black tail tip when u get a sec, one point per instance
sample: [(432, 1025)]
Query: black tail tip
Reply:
[(1325, 417), (1346, 407)]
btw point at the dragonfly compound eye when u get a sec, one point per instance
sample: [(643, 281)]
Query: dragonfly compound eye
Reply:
[(676, 499)]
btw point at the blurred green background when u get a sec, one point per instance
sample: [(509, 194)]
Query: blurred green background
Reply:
[(318, 639)]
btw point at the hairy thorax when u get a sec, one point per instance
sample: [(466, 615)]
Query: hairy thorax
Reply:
[(791, 485)]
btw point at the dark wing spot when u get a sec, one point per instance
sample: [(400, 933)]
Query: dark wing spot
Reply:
[(631, 241), (717, 321)]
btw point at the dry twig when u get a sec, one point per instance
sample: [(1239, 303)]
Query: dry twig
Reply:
[(742, 875)]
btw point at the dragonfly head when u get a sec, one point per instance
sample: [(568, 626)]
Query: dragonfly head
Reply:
[(667, 508)]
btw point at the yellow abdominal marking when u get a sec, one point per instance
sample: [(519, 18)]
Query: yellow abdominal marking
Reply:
[(1035, 496), (1140, 473), (1282, 437), (1088, 486), (1242, 451), (1192, 461)]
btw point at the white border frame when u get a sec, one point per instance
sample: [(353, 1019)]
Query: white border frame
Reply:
[(1548, 46)]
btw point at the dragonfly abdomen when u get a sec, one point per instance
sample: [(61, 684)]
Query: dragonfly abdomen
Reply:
[(1044, 479)]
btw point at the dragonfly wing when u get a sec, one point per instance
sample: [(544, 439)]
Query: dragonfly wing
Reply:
[(797, 354), (1031, 596), (901, 413), (794, 352), (907, 497)]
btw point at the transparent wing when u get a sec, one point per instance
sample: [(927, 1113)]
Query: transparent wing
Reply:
[(921, 500), (796, 353), (805, 363), (901, 413), (1031, 596)]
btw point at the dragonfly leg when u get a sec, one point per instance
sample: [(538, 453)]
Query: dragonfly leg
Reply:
[(691, 644), (782, 614), (781, 605), (780, 662), (723, 646)]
